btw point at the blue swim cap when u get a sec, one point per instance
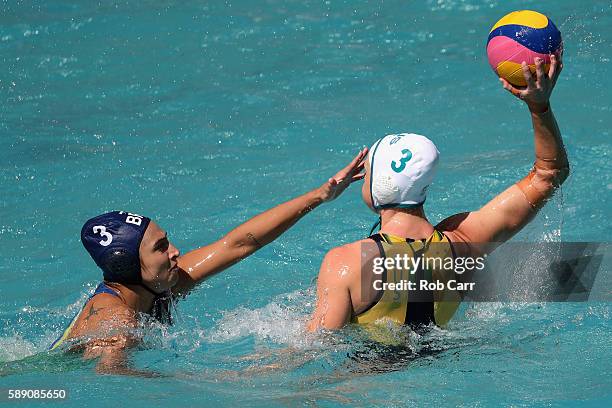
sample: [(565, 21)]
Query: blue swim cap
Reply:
[(113, 241)]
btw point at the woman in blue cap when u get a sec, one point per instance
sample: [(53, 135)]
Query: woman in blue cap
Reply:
[(144, 272)]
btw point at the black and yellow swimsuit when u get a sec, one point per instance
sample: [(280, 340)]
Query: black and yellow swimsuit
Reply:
[(413, 307)]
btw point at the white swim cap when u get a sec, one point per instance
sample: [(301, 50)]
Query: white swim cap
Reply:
[(401, 168)]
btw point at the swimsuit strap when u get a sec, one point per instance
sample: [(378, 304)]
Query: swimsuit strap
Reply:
[(378, 224), (161, 303), (104, 288)]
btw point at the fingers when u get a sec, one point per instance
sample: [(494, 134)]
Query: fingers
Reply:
[(355, 160), (357, 177), (556, 65), (510, 88), (359, 157), (355, 165), (362, 155), (348, 174), (539, 63), (527, 75), (360, 166)]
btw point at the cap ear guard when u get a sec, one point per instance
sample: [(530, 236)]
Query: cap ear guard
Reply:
[(121, 266)]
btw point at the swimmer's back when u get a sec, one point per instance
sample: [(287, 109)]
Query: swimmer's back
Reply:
[(345, 287)]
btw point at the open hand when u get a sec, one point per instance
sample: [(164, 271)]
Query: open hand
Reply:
[(537, 92), (338, 183)]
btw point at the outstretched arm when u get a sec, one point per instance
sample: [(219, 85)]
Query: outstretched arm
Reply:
[(261, 229), (511, 210)]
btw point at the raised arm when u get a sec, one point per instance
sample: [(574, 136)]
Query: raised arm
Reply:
[(261, 229), (510, 211)]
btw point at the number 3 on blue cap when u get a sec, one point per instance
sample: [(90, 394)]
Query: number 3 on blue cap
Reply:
[(101, 229), (398, 168)]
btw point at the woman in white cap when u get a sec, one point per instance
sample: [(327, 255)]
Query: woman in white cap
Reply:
[(398, 171)]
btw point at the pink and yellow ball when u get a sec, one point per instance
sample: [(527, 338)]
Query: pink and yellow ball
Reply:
[(522, 36)]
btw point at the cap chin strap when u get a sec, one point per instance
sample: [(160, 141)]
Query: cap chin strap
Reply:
[(162, 302), (151, 291)]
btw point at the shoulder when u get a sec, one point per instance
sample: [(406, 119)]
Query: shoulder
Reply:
[(345, 261), (453, 227), (353, 247), (107, 301), (106, 322), (456, 229), (346, 252), (105, 312), (450, 225)]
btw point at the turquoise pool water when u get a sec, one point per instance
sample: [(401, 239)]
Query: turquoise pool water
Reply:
[(202, 114)]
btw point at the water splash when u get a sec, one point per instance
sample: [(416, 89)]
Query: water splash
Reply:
[(15, 347), (281, 321)]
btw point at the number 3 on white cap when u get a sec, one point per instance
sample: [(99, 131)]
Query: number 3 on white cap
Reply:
[(406, 156), (101, 229)]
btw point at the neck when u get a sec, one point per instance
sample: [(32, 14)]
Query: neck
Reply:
[(406, 223), (134, 296)]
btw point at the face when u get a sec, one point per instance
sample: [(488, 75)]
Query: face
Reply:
[(158, 259), (365, 188)]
